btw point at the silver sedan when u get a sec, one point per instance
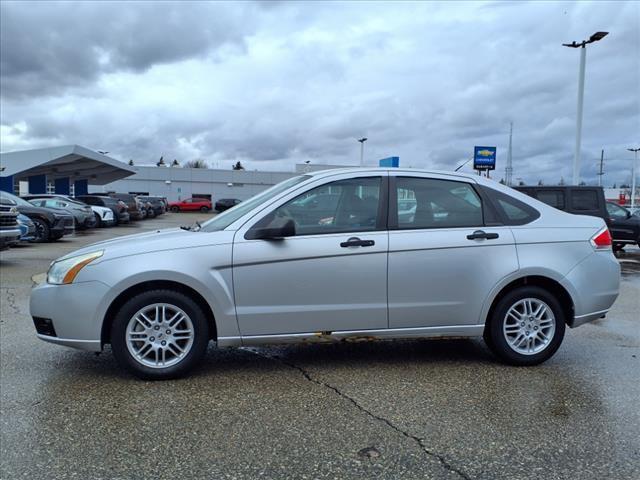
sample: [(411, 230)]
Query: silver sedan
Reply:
[(473, 258)]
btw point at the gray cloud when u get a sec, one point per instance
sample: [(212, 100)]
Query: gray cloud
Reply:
[(278, 83)]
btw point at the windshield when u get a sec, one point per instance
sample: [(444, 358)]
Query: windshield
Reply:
[(19, 201), (226, 218)]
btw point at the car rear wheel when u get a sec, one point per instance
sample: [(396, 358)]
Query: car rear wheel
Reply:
[(526, 326), (43, 232), (175, 209), (204, 209), (160, 334)]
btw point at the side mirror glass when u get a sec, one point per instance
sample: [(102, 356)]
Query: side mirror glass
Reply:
[(273, 232)]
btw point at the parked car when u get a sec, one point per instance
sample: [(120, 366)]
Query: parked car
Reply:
[(191, 205), (82, 213), (9, 228), (625, 227), (103, 216), (134, 206), (118, 207), (156, 204), (226, 203), (498, 264), (51, 224), (27, 228)]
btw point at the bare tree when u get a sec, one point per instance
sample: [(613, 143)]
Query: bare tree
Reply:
[(131, 162), (197, 163), (161, 162), (237, 166), (175, 163)]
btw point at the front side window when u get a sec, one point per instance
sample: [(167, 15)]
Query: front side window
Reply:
[(433, 203), (338, 207), (616, 212)]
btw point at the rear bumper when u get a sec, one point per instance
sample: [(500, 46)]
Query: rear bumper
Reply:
[(594, 285)]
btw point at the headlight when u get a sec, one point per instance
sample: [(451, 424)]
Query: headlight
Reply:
[(65, 271)]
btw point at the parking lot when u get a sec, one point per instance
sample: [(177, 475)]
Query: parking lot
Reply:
[(404, 409)]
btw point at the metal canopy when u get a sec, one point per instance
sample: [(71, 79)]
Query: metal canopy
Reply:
[(73, 161)]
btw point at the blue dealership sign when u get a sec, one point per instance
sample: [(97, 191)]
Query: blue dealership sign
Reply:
[(390, 162), (484, 158)]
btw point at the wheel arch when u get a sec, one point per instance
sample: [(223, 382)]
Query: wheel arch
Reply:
[(133, 290), (549, 284)]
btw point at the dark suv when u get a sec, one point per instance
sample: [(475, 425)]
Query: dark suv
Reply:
[(119, 209), (134, 205), (51, 224)]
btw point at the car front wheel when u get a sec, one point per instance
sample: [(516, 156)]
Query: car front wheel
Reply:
[(526, 326), (42, 233), (204, 209), (160, 334), (175, 209)]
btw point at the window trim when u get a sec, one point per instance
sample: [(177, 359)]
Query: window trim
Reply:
[(381, 215), (392, 217)]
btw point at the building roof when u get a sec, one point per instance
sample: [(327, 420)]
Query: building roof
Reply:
[(74, 161)]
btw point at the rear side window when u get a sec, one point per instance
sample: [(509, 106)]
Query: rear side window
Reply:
[(554, 198), (584, 200), (433, 203), (512, 210)]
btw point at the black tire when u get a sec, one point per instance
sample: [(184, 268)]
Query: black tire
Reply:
[(98, 220), (494, 328), (151, 213), (175, 209), (43, 232), (183, 366), (204, 209), (618, 247)]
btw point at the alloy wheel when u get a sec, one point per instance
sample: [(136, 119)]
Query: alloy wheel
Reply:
[(529, 326), (159, 335)]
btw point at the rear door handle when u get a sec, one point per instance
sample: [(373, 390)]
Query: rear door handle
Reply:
[(482, 234), (356, 242)]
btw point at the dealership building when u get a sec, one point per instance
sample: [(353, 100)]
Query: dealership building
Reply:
[(75, 170), (178, 183)]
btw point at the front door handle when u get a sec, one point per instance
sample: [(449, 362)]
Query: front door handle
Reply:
[(482, 234), (356, 242)]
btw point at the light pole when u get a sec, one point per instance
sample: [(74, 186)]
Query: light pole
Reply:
[(583, 56), (362, 140), (633, 175)]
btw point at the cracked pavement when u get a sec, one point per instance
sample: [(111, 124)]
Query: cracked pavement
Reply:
[(429, 409)]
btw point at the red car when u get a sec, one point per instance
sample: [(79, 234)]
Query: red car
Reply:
[(191, 205)]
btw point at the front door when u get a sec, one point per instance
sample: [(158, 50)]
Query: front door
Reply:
[(621, 224), (330, 276), (444, 259)]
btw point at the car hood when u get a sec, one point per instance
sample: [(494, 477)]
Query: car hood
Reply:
[(154, 241)]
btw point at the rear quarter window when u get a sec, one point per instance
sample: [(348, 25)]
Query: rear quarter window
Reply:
[(511, 210)]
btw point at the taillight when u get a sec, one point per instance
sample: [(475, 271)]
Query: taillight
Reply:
[(602, 239)]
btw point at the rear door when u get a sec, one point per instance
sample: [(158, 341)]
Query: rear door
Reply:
[(622, 224), (446, 252)]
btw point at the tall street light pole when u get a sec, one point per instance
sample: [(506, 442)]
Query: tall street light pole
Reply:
[(583, 56), (633, 175), (362, 140)]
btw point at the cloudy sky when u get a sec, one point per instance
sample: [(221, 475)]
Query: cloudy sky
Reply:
[(278, 83)]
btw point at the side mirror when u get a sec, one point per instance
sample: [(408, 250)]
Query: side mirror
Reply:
[(277, 232)]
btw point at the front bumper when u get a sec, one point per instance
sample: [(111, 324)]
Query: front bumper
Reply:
[(63, 226), (9, 236), (74, 313)]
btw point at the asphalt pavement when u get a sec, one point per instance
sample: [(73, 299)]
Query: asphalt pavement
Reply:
[(429, 409)]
